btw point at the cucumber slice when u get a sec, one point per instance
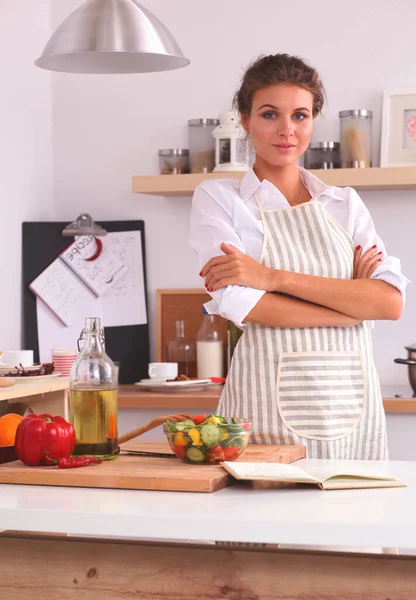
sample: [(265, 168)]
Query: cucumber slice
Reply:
[(186, 424), (235, 428), (222, 420), (195, 454), (210, 434), (234, 440)]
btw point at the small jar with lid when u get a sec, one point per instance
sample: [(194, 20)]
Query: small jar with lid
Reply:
[(355, 138), (201, 145), (173, 161), (322, 155)]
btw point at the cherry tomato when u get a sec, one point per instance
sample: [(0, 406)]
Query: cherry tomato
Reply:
[(217, 452), (231, 452), (180, 451)]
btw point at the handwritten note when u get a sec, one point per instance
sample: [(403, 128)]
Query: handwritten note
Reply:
[(62, 292), (125, 302)]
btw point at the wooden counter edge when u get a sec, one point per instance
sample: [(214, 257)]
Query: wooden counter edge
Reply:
[(108, 569), (131, 397)]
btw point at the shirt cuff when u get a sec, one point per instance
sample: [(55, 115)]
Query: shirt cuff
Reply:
[(234, 303), (393, 277)]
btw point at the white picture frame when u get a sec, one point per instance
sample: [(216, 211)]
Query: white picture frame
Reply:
[(398, 128)]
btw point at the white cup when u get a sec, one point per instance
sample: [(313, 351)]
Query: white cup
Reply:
[(15, 358), (163, 370)]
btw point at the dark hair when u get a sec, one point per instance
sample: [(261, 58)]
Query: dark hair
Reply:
[(275, 69)]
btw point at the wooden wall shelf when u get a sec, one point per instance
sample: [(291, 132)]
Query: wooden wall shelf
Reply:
[(379, 178)]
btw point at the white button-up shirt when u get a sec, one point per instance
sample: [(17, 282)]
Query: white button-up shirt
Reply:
[(225, 210)]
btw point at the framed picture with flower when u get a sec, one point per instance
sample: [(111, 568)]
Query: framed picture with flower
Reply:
[(398, 130)]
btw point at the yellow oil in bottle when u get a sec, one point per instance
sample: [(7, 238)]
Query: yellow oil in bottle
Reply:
[(93, 414)]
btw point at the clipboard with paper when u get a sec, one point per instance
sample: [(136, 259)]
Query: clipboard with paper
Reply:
[(122, 305)]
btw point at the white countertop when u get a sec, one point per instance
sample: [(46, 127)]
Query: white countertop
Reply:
[(359, 518)]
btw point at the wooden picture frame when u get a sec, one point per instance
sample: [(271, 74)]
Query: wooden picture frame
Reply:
[(182, 304)]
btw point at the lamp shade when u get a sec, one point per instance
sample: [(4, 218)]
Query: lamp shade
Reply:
[(111, 36)]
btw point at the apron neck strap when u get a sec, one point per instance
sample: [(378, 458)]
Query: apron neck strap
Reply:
[(257, 199)]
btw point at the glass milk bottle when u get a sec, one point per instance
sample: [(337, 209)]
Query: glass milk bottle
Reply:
[(93, 396), (209, 348)]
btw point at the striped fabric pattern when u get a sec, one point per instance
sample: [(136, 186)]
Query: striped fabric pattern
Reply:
[(305, 239), (320, 395)]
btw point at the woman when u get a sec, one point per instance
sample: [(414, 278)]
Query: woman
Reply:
[(299, 266)]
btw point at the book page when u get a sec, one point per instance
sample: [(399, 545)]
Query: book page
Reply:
[(52, 333), (62, 292), (350, 483), (274, 471), (125, 302), (325, 473), (99, 274)]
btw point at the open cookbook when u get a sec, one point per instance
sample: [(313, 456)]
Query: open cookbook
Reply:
[(326, 478)]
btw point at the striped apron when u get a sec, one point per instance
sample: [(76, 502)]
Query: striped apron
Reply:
[(315, 386)]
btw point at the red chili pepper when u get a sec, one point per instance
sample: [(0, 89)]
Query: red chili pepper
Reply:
[(77, 461), (43, 439), (197, 419)]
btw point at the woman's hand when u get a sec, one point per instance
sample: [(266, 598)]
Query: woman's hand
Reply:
[(365, 264), (236, 268)]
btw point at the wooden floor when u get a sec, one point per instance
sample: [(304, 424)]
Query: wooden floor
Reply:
[(52, 568)]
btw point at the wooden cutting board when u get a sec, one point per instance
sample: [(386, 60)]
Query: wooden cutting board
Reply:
[(134, 472)]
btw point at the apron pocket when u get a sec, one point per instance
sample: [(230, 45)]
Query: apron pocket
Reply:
[(321, 395)]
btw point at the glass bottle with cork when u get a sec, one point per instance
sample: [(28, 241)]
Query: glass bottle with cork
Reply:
[(209, 348), (93, 396), (182, 351)]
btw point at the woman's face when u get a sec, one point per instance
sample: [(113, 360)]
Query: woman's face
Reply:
[(280, 123)]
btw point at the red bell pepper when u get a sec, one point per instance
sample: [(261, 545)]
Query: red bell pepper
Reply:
[(43, 439), (197, 419)]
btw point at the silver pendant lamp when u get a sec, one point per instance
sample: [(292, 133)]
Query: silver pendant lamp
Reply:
[(111, 36)]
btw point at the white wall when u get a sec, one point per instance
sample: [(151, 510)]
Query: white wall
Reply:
[(25, 147), (108, 128)]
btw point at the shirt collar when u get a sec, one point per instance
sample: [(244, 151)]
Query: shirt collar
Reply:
[(251, 183)]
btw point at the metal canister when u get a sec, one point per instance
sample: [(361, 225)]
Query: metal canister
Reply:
[(173, 161), (322, 155)]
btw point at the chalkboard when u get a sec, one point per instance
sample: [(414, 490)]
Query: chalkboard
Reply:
[(42, 243)]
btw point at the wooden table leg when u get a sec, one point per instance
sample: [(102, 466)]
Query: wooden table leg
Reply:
[(74, 569)]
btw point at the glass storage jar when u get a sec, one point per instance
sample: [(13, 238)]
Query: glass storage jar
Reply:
[(355, 138), (201, 145), (173, 161), (322, 155), (182, 350)]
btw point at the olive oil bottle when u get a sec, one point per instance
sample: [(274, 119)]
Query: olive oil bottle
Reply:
[(93, 396)]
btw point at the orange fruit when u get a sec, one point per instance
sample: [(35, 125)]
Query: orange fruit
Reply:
[(8, 428)]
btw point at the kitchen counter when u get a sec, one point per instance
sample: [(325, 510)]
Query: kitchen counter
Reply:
[(185, 527), (360, 518), (395, 399), (43, 395)]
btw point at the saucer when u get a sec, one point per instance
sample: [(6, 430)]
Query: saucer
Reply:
[(192, 385), (154, 380), (14, 370)]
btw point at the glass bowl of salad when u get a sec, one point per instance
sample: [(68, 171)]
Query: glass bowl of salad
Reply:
[(208, 439)]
